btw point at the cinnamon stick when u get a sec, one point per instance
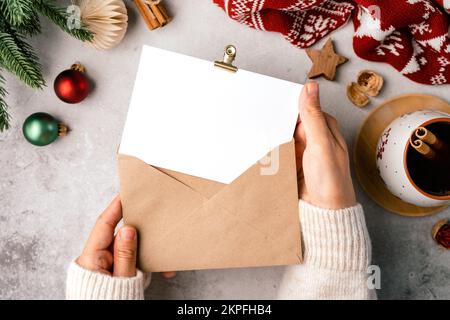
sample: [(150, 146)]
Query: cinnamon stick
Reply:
[(422, 148), (429, 138), (161, 13), (148, 15)]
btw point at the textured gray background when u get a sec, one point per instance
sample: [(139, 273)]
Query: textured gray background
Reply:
[(51, 196)]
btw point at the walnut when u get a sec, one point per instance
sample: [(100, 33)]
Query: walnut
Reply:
[(357, 97), (370, 82)]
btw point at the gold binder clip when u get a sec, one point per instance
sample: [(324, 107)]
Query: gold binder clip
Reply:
[(228, 58)]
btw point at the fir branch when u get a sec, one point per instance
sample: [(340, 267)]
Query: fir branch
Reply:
[(4, 116), (18, 57), (26, 49), (17, 11), (60, 17), (31, 26)]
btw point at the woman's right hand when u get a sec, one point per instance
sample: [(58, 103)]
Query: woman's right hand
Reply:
[(322, 157)]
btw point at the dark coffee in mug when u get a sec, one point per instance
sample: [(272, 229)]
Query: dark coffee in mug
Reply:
[(432, 175)]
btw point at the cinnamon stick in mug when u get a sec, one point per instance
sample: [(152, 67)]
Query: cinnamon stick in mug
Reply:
[(423, 148), (429, 138)]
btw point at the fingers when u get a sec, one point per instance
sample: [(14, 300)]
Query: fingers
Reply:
[(311, 115), (125, 247), (333, 125), (102, 234), (99, 261), (299, 134)]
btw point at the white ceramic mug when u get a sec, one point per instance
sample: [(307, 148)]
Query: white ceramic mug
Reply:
[(392, 162)]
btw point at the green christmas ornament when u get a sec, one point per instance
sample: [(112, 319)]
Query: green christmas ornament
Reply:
[(42, 129)]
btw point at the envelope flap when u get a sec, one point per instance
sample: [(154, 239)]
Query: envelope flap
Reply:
[(268, 202), (143, 187), (205, 187)]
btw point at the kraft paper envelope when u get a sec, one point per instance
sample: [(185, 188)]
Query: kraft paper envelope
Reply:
[(207, 166)]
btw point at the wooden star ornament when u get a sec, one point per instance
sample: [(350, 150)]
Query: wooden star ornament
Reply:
[(325, 61)]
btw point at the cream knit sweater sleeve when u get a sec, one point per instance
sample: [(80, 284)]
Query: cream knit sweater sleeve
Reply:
[(336, 256), (83, 284)]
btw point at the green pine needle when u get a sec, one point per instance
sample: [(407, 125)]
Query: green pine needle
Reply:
[(4, 116), (17, 11), (60, 17), (18, 58), (31, 26)]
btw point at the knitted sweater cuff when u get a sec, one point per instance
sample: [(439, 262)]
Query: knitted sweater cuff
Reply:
[(83, 284), (335, 239)]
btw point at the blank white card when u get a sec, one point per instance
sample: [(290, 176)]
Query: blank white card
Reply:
[(188, 116)]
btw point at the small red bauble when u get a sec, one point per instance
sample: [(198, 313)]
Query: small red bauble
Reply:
[(72, 86)]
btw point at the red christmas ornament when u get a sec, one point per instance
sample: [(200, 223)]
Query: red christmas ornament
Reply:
[(72, 85)]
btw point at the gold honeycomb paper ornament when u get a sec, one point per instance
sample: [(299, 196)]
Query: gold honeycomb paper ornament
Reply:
[(107, 19)]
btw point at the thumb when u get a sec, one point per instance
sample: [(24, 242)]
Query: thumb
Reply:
[(313, 119), (125, 247)]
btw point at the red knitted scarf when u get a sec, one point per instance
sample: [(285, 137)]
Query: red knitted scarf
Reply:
[(410, 35)]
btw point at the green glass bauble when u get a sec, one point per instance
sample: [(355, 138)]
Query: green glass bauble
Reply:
[(42, 129)]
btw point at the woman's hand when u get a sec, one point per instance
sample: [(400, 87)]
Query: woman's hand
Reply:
[(322, 156), (109, 254)]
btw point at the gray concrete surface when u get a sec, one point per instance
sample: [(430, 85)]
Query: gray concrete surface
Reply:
[(51, 196)]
